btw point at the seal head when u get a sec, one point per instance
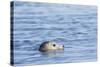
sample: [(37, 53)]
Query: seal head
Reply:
[(48, 45)]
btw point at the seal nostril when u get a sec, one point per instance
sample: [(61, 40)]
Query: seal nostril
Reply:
[(63, 45)]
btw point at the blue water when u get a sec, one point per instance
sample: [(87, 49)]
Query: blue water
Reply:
[(74, 26)]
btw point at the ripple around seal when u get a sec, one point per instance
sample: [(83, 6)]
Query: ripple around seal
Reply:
[(74, 26)]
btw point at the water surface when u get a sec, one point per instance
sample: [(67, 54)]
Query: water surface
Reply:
[(74, 26)]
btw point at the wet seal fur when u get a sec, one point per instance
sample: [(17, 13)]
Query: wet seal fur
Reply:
[(49, 45)]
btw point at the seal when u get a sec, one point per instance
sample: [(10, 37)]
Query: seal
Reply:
[(49, 45)]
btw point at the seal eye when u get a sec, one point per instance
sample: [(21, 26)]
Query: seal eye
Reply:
[(54, 45)]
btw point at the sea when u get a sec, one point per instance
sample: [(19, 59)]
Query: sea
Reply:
[(74, 26)]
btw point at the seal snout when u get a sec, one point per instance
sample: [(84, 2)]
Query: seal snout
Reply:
[(61, 47), (48, 45)]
